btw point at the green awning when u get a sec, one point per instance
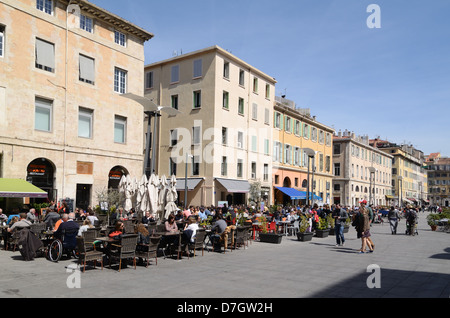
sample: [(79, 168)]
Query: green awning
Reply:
[(18, 188)]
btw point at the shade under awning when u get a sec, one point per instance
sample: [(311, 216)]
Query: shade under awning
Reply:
[(18, 188), (235, 186), (292, 193), (191, 183)]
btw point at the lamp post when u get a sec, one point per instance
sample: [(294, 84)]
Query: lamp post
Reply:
[(185, 180), (151, 110), (400, 190), (372, 170), (310, 153)]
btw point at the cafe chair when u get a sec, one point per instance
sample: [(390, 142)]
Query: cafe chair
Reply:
[(125, 250), (241, 236), (198, 241), (85, 255), (150, 250)]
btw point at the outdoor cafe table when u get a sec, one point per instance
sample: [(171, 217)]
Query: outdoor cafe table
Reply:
[(284, 226), (172, 235)]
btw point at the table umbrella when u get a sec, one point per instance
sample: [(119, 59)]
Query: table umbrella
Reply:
[(163, 187), (142, 195), (171, 197), (152, 189)]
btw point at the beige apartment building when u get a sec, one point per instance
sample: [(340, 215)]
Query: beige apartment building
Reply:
[(64, 126), (409, 174), (223, 131), (361, 172), (300, 140)]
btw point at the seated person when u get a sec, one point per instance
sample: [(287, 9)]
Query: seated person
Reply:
[(170, 224), (22, 223), (148, 218), (217, 229), (68, 230), (190, 230)]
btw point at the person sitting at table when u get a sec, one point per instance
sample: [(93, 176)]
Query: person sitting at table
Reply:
[(83, 228), (216, 231), (190, 230), (19, 224), (170, 224), (68, 225), (148, 217), (51, 218), (118, 230)]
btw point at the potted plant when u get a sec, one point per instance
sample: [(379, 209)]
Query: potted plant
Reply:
[(303, 234), (322, 229), (331, 224), (264, 235), (432, 220)]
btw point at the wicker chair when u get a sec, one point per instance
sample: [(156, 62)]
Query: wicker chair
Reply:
[(89, 237), (150, 250), (85, 255), (38, 228), (128, 226), (126, 249), (199, 241), (241, 236)]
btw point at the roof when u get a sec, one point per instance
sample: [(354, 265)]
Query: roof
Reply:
[(111, 19)]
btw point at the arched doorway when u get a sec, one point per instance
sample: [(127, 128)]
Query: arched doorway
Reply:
[(287, 182), (41, 173), (115, 174)]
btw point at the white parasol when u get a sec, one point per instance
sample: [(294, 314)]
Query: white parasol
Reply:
[(142, 195), (152, 189), (171, 197), (163, 187), (129, 190)]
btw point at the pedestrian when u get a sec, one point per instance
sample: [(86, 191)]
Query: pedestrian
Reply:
[(340, 216), (365, 228), (393, 219)]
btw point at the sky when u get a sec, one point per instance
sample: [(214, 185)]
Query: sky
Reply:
[(391, 82)]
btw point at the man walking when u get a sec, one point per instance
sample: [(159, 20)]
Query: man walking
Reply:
[(393, 219), (340, 216)]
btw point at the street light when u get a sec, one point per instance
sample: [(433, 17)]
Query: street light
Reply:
[(310, 153), (400, 189), (151, 110), (372, 170)]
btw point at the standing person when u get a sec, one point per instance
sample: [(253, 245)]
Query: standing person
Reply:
[(393, 219), (339, 215), (371, 218), (365, 229)]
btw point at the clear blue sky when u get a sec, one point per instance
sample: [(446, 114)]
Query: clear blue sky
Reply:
[(392, 82)]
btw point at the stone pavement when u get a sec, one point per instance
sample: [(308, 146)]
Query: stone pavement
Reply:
[(403, 266)]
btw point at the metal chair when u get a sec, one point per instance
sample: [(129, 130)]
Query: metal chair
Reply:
[(126, 249), (292, 228), (241, 236), (85, 255)]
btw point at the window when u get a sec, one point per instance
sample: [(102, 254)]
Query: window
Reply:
[(2, 40), (197, 99), (266, 172), (87, 70), (223, 170), (336, 149), (255, 85), (45, 6), (172, 167), (198, 72), (297, 128), (174, 101), (120, 128), (288, 126), (277, 151), (267, 116), (120, 81), (226, 70), (173, 137), (240, 140), (253, 170), (240, 166), (224, 136), (195, 165), (85, 117), (321, 136), (278, 120), (196, 135), (254, 143), (242, 77), (337, 169), (43, 115), (327, 163), (120, 38), (255, 111), (287, 154), (328, 141), (314, 134), (86, 24), (306, 131), (175, 74), (45, 55), (225, 100), (241, 106), (149, 80), (297, 154), (266, 147), (267, 91)]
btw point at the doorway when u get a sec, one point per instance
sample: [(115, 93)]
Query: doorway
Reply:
[(83, 199)]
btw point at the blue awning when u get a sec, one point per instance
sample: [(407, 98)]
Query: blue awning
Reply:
[(293, 193)]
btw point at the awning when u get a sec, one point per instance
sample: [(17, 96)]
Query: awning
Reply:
[(191, 184), (412, 199), (293, 193), (235, 186), (391, 197), (18, 188)]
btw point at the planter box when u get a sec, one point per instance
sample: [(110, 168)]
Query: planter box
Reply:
[(305, 237), (332, 231), (270, 238), (322, 233)]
